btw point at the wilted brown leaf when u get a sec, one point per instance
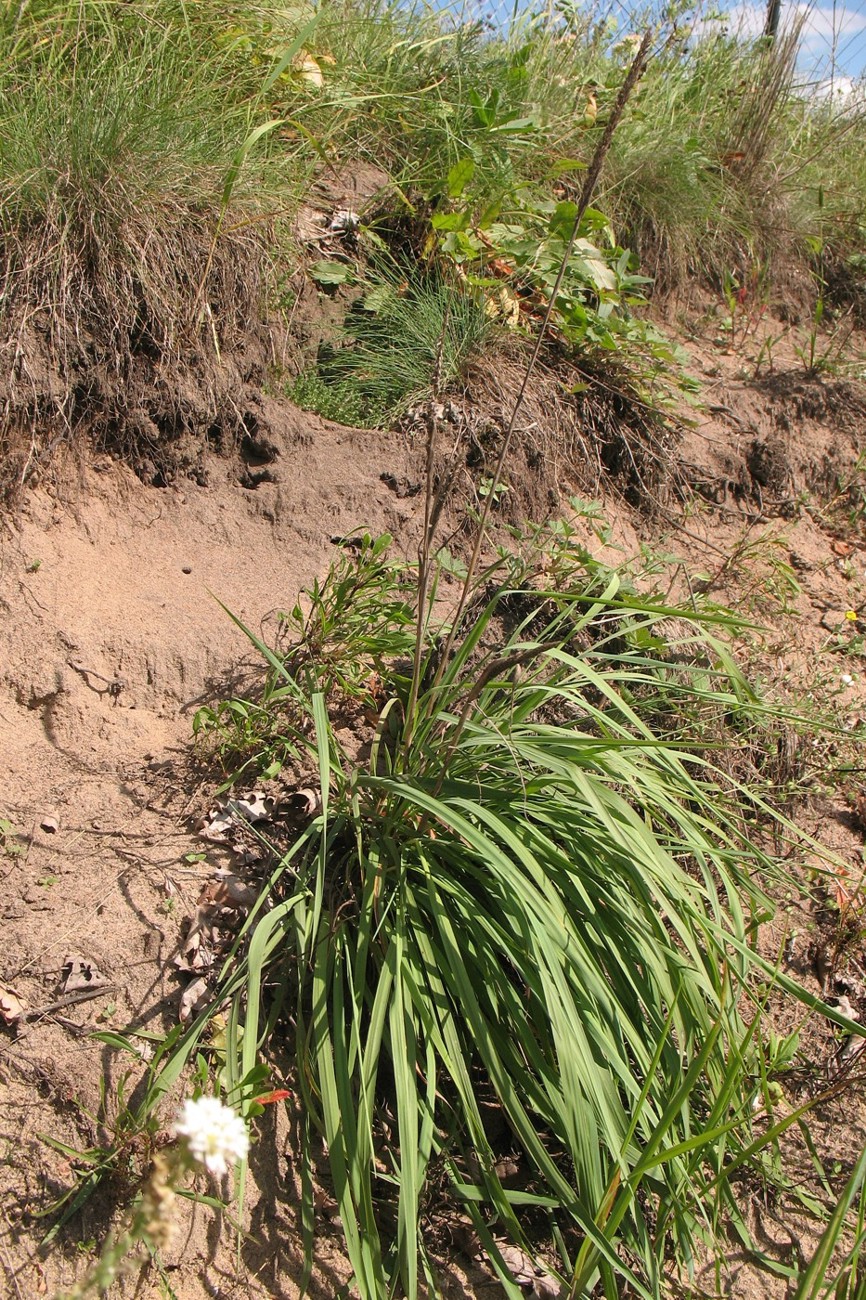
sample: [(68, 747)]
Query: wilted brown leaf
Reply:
[(195, 996), (11, 1007), (536, 1280), (80, 973)]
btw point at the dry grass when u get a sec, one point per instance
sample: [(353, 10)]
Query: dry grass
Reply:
[(603, 437), (144, 339)]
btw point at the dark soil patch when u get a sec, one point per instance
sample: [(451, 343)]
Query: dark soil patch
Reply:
[(149, 348)]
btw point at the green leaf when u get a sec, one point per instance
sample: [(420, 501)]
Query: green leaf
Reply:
[(450, 563), (484, 112), (490, 214), (264, 129), (565, 165), (814, 1280), (287, 56), (516, 124), (562, 220), (331, 273), (450, 220), (459, 176)]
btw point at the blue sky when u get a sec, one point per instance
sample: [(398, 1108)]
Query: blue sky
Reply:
[(826, 27)]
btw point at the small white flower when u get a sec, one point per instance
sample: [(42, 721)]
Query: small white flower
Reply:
[(214, 1134), (847, 679)]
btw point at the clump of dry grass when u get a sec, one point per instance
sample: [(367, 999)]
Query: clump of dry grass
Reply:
[(583, 422), (130, 297), (144, 340), (123, 130)]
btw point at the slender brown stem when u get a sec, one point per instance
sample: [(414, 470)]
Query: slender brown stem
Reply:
[(425, 548), (590, 181), (502, 666)]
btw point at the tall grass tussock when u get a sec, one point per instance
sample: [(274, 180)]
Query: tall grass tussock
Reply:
[(523, 919)]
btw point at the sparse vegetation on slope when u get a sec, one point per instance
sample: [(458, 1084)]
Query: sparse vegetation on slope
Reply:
[(518, 921), (153, 156)]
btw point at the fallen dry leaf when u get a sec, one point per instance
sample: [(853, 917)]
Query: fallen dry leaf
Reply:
[(80, 974), (195, 996), (308, 69), (841, 548), (230, 889), (196, 954), (310, 801), (11, 1007), (224, 816), (220, 905), (844, 1007), (533, 1278)]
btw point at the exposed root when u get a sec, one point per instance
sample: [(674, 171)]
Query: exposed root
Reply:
[(142, 336), (581, 428)]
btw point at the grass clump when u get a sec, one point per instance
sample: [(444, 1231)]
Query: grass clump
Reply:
[(405, 337), (121, 292), (726, 166), (519, 920)]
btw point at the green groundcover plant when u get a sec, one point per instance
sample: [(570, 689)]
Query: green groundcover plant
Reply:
[(516, 911)]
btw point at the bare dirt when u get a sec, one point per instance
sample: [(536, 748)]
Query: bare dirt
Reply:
[(111, 636)]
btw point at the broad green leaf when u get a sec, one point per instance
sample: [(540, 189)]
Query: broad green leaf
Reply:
[(459, 176)]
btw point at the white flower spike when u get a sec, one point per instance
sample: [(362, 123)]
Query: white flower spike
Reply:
[(213, 1134)]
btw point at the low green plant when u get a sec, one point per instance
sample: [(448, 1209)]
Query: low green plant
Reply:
[(108, 111), (126, 1144), (836, 1269), (516, 902), (758, 570), (10, 844), (209, 1135), (826, 348), (512, 251), (406, 335), (338, 400), (843, 507)]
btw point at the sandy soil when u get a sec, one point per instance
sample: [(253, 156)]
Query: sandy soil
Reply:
[(116, 584), (110, 638)]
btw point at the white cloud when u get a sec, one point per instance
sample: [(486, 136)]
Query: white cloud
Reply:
[(824, 28), (743, 20), (841, 88), (845, 92), (822, 23), (819, 22)]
